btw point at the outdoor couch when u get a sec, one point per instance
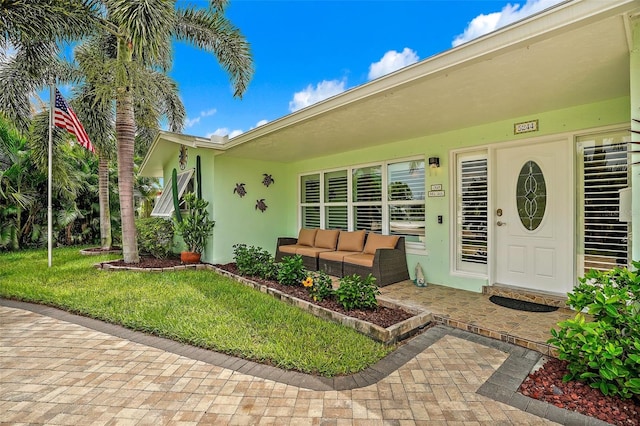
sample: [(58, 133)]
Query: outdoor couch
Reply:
[(309, 244), (341, 253)]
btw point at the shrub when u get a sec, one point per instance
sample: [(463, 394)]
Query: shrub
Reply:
[(319, 286), (291, 270), (155, 236), (605, 352), (254, 262), (357, 293)]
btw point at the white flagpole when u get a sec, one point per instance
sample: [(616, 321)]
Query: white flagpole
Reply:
[(52, 104)]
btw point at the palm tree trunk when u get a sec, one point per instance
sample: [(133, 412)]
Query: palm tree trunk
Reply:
[(103, 196), (125, 134)]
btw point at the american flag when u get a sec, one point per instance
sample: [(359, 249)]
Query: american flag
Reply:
[(64, 117)]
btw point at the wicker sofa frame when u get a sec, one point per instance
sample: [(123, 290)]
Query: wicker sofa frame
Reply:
[(389, 265), (311, 263)]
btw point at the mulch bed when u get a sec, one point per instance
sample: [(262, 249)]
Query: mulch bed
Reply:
[(382, 316), (149, 262), (546, 385)]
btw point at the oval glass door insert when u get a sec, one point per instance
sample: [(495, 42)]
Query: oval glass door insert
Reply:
[(531, 195)]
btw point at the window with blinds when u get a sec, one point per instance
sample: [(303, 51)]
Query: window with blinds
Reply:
[(335, 198), (603, 164), (310, 201), (367, 198), (472, 219), (164, 206), (384, 198), (405, 187)]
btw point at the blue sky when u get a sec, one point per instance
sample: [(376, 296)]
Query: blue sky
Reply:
[(305, 51)]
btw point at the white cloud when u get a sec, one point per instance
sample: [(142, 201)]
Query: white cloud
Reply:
[(190, 122), (483, 24), (392, 61), (310, 95), (222, 131)]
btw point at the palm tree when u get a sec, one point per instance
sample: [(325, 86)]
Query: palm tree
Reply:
[(155, 93), (144, 32)]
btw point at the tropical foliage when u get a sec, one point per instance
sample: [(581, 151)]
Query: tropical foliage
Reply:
[(23, 193), (195, 227), (155, 236), (604, 352), (121, 86)]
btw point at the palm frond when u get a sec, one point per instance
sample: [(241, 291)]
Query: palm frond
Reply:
[(214, 33), (98, 118), (22, 21), (147, 27)]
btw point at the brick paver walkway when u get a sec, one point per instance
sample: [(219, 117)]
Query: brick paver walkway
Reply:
[(58, 372)]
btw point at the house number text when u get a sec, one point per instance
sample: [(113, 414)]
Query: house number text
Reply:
[(525, 127)]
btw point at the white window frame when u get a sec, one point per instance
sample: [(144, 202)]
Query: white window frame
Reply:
[(419, 199), (302, 205), (458, 265), (164, 205), (604, 261), (327, 203), (384, 203)]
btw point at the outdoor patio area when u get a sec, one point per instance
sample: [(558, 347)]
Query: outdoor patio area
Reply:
[(475, 313)]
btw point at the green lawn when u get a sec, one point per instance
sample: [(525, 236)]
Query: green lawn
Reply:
[(201, 308)]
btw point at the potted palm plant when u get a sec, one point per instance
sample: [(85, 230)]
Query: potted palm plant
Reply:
[(195, 227)]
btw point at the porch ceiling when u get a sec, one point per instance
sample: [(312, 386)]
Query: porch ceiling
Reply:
[(547, 63)]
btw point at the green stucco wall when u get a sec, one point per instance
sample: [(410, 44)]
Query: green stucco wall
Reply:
[(237, 219), (436, 258)]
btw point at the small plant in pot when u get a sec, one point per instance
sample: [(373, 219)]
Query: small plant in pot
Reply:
[(195, 227)]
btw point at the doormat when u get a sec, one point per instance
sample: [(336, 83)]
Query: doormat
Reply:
[(521, 305)]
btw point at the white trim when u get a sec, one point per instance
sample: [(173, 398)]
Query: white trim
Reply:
[(455, 157), (167, 193)]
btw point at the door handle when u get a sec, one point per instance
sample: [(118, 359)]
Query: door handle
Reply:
[(500, 223)]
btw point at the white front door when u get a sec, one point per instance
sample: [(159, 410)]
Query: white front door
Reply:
[(533, 218)]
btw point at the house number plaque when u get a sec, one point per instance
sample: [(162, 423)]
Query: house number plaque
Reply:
[(525, 127)]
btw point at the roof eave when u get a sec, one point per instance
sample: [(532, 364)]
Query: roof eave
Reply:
[(559, 18)]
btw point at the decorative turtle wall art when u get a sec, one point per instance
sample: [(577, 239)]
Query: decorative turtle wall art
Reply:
[(261, 205), (267, 180), (240, 190)]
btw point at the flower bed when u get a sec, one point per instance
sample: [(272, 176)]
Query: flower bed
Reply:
[(389, 323)]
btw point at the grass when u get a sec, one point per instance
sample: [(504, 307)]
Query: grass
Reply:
[(201, 308)]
